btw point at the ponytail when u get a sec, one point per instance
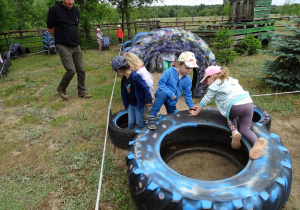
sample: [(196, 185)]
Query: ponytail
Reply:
[(224, 74)]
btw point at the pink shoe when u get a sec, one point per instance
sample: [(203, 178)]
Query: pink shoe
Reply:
[(258, 149), (236, 141)]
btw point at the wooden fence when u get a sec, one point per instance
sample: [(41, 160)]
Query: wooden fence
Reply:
[(33, 39)]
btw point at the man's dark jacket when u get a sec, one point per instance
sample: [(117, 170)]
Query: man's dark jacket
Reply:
[(65, 22)]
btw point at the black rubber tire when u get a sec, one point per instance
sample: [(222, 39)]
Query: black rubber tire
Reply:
[(25, 50), (261, 116), (264, 183), (9, 54), (126, 44), (16, 48), (118, 135)]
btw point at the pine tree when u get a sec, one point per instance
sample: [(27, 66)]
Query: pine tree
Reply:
[(223, 46), (283, 72)]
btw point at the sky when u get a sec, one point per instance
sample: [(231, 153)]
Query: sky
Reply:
[(210, 2)]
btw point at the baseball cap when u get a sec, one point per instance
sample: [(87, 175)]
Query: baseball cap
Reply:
[(118, 62), (210, 71), (98, 29), (118, 26), (189, 59)]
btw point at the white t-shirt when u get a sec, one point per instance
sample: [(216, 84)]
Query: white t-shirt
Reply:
[(146, 75)]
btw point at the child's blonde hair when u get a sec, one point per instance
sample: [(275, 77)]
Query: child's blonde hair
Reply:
[(224, 74), (134, 61)]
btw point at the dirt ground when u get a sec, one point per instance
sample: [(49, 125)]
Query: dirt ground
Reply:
[(288, 130)]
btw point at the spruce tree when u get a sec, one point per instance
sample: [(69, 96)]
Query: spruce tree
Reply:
[(283, 72), (223, 46)]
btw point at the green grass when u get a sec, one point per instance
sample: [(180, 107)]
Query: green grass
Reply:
[(51, 150)]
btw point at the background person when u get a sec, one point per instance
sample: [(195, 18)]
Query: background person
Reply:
[(119, 34), (100, 38), (168, 60), (233, 102), (62, 24)]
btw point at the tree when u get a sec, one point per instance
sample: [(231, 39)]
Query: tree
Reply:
[(105, 13), (284, 71), (181, 13), (23, 12), (40, 11), (223, 46), (6, 16), (125, 7)]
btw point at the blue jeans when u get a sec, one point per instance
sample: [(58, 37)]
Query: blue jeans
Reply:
[(160, 99), (135, 116)]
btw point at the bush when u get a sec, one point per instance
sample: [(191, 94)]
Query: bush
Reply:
[(249, 45)]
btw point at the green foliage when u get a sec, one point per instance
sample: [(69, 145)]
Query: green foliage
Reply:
[(284, 71), (226, 9), (223, 46), (290, 8), (249, 45)]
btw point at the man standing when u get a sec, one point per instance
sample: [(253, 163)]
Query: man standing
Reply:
[(62, 24)]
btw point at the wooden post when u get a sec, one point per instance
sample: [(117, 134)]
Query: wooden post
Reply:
[(108, 29), (176, 21), (6, 41), (135, 29), (184, 25)]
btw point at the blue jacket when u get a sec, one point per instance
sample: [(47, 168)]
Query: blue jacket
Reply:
[(225, 95), (171, 85), (141, 89)]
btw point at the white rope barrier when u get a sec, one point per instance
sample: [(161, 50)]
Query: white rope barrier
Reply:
[(104, 147), (270, 94)]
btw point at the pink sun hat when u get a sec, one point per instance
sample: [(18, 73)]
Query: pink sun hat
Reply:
[(210, 71)]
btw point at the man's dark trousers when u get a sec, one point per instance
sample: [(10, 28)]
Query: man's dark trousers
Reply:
[(71, 57)]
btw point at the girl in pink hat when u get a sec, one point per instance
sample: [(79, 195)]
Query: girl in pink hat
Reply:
[(232, 101), (99, 38)]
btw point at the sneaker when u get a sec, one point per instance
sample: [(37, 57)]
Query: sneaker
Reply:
[(258, 149), (151, 122), (84, 95), (236, 141), (63, 94)]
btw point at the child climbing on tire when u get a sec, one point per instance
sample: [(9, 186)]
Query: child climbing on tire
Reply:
[(137, 65), (173, 81), (233, 102), (134, 92)]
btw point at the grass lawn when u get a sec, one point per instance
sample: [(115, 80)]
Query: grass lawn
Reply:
[(51, 149)]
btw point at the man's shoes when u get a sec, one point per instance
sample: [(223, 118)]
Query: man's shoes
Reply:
[(151, 122), (84, 95), (63, 94)]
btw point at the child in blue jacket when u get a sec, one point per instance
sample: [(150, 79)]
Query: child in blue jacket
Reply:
[(134, 91), (171, 84)]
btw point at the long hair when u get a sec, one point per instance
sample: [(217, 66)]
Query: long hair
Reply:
[(224, 74), (134, 61)]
